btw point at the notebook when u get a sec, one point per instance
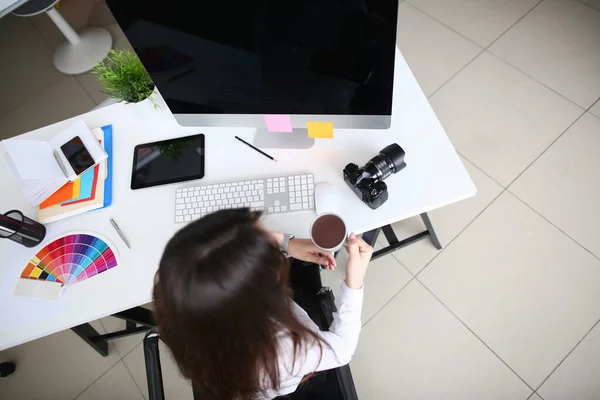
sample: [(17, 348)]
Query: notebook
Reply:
[(42, 168)]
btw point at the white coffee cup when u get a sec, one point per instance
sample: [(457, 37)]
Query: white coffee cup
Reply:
[(328, 232)]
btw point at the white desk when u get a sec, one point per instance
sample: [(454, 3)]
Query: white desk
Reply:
[(433, 178)]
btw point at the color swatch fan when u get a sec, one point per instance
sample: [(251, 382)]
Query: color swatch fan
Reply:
[(64, 262)]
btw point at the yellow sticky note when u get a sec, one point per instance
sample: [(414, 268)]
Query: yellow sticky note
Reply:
[(320, 130)]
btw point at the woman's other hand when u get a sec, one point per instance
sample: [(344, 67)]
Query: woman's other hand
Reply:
[(359, 255), (305, 250)]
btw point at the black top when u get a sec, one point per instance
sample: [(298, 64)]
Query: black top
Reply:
[(266, 56)]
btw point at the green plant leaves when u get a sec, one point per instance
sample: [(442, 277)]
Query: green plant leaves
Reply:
[(124, 77)]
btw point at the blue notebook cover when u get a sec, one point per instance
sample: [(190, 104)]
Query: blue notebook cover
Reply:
[(108, 147)]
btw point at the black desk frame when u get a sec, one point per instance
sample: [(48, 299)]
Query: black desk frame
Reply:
[(139, 319)]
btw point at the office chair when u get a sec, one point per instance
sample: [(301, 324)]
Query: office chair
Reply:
[(334, 384)]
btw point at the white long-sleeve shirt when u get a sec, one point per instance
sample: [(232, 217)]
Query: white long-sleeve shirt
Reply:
[(342, 338)]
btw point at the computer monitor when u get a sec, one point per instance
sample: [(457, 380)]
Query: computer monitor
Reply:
[(229, 63)]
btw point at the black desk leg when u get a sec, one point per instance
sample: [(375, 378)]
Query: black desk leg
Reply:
[(133, 317), (395, 244), (434, 238), (87, 333)]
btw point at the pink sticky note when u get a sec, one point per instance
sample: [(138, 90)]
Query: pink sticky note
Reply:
[(278, 123)]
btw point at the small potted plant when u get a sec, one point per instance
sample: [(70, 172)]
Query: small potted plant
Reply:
[(125, 78)]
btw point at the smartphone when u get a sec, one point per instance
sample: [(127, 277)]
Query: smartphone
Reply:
[(77, 155)]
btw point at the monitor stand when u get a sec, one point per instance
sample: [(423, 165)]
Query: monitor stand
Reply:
[(298, 139)]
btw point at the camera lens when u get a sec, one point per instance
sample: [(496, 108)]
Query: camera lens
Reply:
[(389, 161)]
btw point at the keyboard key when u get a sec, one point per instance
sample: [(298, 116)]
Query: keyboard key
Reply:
[(196, 193), (305, 193), (186, 212), (304, 187), (305, 205), (179, 201), (283, 208), (179, 219), (311, 202), (269, 191), (255, 198), (178, 195), (257, 204), (277, 209), (212, 203), (188, 205), (209, 209), (180, 206), (205, 198), (276, 190), (311, 192), (269, 185), (275, 184), (292, 200), (203, 209), (295, 207), (270, 209), (178, 212), (249, 193), (195, 204)]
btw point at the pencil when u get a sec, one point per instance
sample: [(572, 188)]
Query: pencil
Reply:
[(260, 151)]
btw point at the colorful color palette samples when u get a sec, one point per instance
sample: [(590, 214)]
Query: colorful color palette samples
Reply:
[(70, 259)]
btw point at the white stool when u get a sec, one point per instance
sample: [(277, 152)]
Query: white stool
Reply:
[(81, 52)]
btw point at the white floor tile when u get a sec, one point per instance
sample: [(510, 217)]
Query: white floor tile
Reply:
[(116, 384), (27, 67), (93, 88), (416, 349), (433, 52), (499, 118), (557, 44), (482, 21), (577, 376), (447, 221), (564, 186), (61, 100), (527, 290), (596, 109), (59, 366), (385, 277), (175, 386), (593, 3)]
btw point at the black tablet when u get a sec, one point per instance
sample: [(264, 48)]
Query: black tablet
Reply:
[(168, 161)]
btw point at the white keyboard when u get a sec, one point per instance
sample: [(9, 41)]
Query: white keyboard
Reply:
[(273, 195)]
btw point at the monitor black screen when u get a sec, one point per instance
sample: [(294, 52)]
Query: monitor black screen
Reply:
[(266, 56)]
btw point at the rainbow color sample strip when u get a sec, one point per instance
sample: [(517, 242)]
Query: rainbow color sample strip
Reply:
[(70, 259)]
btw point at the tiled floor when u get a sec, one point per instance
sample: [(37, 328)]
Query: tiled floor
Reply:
[(509, 309)]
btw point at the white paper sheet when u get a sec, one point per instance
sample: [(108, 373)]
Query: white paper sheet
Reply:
[(18, 311)]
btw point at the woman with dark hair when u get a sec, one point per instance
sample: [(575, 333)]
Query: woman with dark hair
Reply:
[(225, 309)]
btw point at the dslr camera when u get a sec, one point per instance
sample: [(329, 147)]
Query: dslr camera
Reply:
[(367, 181)]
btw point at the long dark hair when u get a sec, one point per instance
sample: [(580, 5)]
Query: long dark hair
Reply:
[(221, 299)]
